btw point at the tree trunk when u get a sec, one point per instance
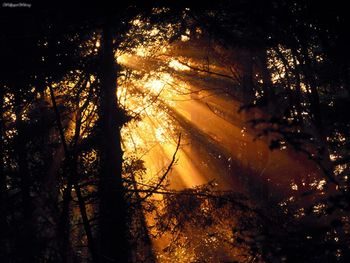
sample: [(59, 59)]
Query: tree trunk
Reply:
[(81, 202), (144, 250), (3, 213), (2, 172), (246, 61), (269, 94), (26, 242), (320, 133), (112, 209)]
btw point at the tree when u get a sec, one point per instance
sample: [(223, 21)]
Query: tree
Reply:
[(75, 88)]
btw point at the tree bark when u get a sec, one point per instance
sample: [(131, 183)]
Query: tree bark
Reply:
[(3, 213), (320, 134), (112, 210), (27, 242), (246, 61)]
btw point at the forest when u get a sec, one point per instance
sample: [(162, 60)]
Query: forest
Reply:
[(175, 131)]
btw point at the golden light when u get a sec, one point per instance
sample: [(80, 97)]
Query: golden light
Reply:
[(165, 97), (122, 59), (141, 51), (175, 64), (155, 85)]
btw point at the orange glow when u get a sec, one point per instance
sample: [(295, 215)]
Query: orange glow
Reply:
[(217, 144)]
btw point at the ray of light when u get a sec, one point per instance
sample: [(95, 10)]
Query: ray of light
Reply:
[(217, 144), (217, 118)]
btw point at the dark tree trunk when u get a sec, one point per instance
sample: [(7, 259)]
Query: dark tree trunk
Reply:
[(81, 203), (112, 210), (27, 241), (2, 174), (246, 61), (269, 94), (298, 95), (267, 87), (247, 75), (71, 167), (63, 228), (315, 105), (3, 210), (144, 245)]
